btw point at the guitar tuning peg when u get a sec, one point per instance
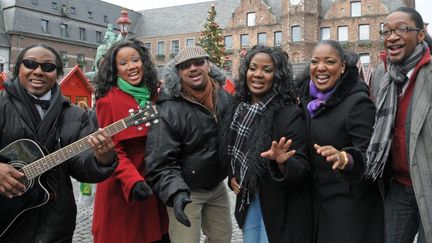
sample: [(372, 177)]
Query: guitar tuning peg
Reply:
[(147, 124), (156, 121), (130, 110), (140, 128)]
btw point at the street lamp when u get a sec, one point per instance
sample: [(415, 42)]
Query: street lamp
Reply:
[(124, 22)]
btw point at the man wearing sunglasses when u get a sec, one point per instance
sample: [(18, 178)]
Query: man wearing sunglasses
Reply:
[(400, 147), (33, 107), (182, 155)]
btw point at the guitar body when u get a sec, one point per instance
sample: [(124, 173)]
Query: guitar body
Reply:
[(18, 154)]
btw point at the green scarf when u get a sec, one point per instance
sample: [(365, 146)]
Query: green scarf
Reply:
[(140, 93)]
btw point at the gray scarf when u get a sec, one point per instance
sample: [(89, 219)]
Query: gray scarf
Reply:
[(386, 102)]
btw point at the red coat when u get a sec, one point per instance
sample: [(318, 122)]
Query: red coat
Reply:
[(116, 218)]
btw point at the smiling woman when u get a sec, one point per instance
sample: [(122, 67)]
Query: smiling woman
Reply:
[(340, 118), (125, 208)]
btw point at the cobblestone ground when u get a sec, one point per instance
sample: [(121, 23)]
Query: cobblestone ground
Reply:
[(85, 216)]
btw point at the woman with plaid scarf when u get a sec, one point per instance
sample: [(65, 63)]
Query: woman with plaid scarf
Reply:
[(271, 206)]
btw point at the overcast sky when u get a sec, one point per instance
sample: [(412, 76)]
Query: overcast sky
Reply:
[(423, 6)]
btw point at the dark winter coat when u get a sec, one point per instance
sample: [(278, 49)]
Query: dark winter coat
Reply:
[(286, 200), (347, 208), (182, 149), (63, 124)]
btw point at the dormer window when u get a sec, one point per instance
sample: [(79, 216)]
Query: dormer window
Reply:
[(250, 19)]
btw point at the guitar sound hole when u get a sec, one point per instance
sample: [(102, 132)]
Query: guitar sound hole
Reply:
[(24, 180)]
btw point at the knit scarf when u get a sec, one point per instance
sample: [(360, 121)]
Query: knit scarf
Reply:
[(140, 93), (246, 115), (204, 97), (319, 98), (386, 102)]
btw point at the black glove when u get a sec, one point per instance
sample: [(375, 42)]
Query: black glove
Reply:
[(141, 191), (180, 201)]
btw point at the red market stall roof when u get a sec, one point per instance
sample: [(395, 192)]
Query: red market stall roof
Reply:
[(76, 86)]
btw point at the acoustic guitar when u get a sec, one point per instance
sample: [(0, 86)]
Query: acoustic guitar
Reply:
[(27, 157)]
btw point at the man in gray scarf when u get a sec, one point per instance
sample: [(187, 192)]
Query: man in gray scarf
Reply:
[(401, 141)]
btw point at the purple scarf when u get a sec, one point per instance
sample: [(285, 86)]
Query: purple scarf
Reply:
[(319, 96)]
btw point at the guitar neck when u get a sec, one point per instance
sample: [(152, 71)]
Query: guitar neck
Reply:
[(44, 164)]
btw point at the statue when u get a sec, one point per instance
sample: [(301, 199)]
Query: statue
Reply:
[(109, 38)]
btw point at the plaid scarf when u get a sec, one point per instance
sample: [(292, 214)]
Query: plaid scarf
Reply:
[(386, 102), (245, 117)]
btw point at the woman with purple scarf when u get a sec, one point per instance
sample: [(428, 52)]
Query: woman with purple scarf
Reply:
[(340, 118)]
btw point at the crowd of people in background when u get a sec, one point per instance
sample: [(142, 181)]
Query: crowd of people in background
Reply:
[(315, 159)]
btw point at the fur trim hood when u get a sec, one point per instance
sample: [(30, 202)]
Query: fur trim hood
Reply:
[(172, 84)]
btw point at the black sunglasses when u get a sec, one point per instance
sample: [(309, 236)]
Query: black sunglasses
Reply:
[(187, 64), (46, 66)]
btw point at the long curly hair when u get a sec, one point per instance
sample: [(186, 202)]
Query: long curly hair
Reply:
[(107, 74), (283, 84)]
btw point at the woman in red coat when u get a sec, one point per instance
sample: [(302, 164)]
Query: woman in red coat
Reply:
[(125, 208)]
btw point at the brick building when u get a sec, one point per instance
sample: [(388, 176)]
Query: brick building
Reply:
[(294, 25)]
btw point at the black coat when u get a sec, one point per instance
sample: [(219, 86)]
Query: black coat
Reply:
[(347, 208), (286, 200), (63, 124), (182, 150)]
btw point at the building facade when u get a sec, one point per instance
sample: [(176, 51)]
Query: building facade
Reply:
[(294, 25), (73, 27)]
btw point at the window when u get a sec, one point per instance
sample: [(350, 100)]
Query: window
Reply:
[(72, 10), (64, 30), (228, 67), (90, 14), (381, 27), (161, 48), (295, 33), (355, 9), (244, 40), (343, 33), (190, 42), (54, 5), (81, 60), (98, 37), (250, 19), (175, 45), (364, 59), (363, 32), (44, 24), (106, 19), (325, 33), (228, 42), (262, 39), (82, 34), (278, 38), (64, 58), (148, 46)]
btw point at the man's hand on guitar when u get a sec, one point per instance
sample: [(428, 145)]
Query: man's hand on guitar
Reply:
[(9, 181), (103, 147)]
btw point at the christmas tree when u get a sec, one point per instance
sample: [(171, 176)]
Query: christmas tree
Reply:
[(211, 39)]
